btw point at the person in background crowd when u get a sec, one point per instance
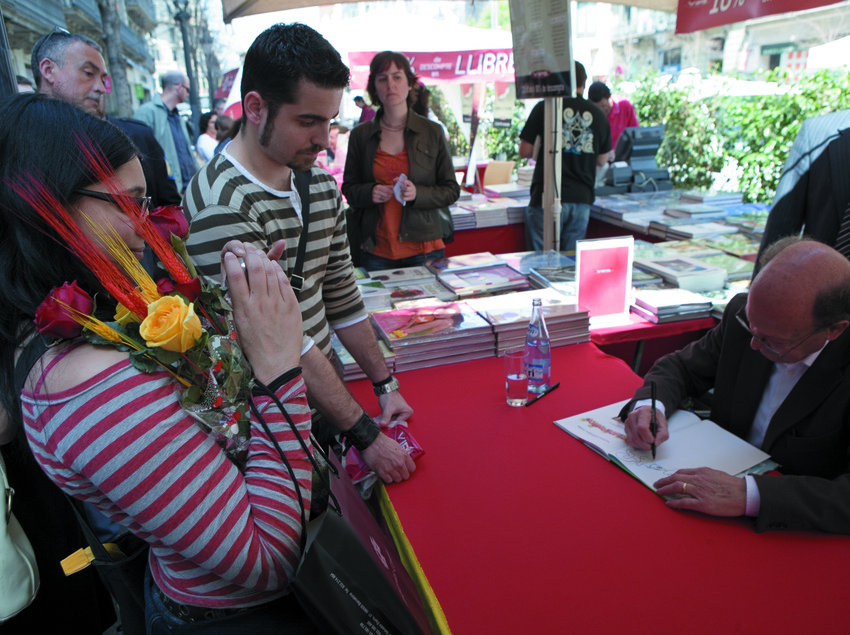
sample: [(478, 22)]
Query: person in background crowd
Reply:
[(398, 173), (223, 124), (586, 144), (218, 106), (292, 86), (24, 84), (368, 113), (336, 129), (779, 367), (169, 128), (225, 564), (70, 67), (621, 114), (207, 141), (226, 130)]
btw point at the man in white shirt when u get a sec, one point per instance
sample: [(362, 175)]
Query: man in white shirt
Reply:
[(779, 364)]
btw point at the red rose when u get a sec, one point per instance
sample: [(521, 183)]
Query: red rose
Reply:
[(54, 319), (191, 290), (168, 220)]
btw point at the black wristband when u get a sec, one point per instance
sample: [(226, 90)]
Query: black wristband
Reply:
[(273, 386), (363, 433)]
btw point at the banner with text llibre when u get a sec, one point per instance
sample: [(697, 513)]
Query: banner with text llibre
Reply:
[(696, 15)]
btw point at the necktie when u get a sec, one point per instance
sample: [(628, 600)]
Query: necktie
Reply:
[(842, 240)]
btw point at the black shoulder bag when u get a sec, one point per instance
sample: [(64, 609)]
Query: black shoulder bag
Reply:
[(302, 185)]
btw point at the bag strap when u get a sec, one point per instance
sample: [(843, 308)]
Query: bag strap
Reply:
[(302, 186), (262, 389)]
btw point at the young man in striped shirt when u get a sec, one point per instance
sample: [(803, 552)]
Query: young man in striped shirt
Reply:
[(292, 85)]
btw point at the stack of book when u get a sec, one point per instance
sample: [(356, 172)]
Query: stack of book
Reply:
[(434, 335), (562, 278), (510, 314), (488, 212), (464, 261), (692, 274), (508, 190), (736, 268), (376, 297), (524, 261), (477, 281), (350, 369), (737, 244), (462, 218), (670, 305), (402, 276), (694, 210), (433, 290), (524, 176), (718, 198)]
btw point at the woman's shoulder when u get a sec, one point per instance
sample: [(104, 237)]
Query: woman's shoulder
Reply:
[(70, 365)]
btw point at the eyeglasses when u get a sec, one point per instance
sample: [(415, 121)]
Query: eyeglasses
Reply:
[(741, 316), (186, 88), (144, 202), (57, 30)]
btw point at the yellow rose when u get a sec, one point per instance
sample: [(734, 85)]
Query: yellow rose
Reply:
[(171, 324), (124, 316)]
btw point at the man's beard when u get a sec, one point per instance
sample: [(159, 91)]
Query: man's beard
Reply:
[(300, 163)]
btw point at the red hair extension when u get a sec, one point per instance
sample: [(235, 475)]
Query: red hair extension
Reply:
[(97, 163), (36, 194)]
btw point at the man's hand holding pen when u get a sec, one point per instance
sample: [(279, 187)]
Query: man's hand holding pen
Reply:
[(638, 434)]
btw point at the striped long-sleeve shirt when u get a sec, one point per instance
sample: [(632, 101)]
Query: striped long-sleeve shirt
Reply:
[(225, 205), (218, 537)]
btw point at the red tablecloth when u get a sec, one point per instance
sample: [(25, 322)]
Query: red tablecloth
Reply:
[(504, 239), (522, 529), (641, 329)]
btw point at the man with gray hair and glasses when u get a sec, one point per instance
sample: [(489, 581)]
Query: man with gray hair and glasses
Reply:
[(70, 67), (779, 367), (170, 129)]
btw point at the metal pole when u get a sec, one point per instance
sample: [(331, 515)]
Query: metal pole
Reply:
[(194, 99)]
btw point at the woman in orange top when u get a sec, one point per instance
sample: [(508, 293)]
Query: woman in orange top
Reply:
[(398, 174)]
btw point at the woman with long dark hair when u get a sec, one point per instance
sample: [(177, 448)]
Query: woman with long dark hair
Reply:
[(398, 173), (222, 519)]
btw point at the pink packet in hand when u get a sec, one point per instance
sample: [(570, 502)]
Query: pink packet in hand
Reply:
[(356, 467)]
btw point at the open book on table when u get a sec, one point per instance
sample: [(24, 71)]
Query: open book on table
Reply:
[(693, 443)]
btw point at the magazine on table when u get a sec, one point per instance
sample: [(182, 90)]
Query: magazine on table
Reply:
[(693, 443)]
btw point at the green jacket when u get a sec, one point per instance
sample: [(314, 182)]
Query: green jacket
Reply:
[(155, 114)]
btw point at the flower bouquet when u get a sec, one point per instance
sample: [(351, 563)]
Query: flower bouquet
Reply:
[(179, 324)]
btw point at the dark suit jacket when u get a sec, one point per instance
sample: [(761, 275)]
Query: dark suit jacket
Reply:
[(817, 202), (160, 185), (809, 436)]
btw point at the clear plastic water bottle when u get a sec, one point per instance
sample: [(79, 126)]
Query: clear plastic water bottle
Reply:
[(538, 358)]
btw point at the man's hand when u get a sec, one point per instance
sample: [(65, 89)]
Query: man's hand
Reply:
[(394, 409), (705, 490), (388, 460), (637, 428)]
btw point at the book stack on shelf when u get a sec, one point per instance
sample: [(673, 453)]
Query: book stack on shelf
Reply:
[(524, 261), (524, 176), (402, 276), (666, 249), (477, 281), (736, 268), (686, 273), (562, 278), (488, 212), (717, 198), (694, 210), (350, 369), (462, 218), (463, 261), (737, 244), (750, 223), (507, 190), (660, 306), (510, 314), (434, 335), (376, 297)]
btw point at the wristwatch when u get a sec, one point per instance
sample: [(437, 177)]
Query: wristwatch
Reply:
[(385, 386)]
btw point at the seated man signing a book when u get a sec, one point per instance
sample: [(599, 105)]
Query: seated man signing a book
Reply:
[(779, 364)]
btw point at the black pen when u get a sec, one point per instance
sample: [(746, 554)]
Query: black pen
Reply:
[(653, 422), (542, 394)]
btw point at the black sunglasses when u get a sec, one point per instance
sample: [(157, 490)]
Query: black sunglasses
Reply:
[(57, 30)]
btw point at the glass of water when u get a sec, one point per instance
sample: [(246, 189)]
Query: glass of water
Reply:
[(516, 381)]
